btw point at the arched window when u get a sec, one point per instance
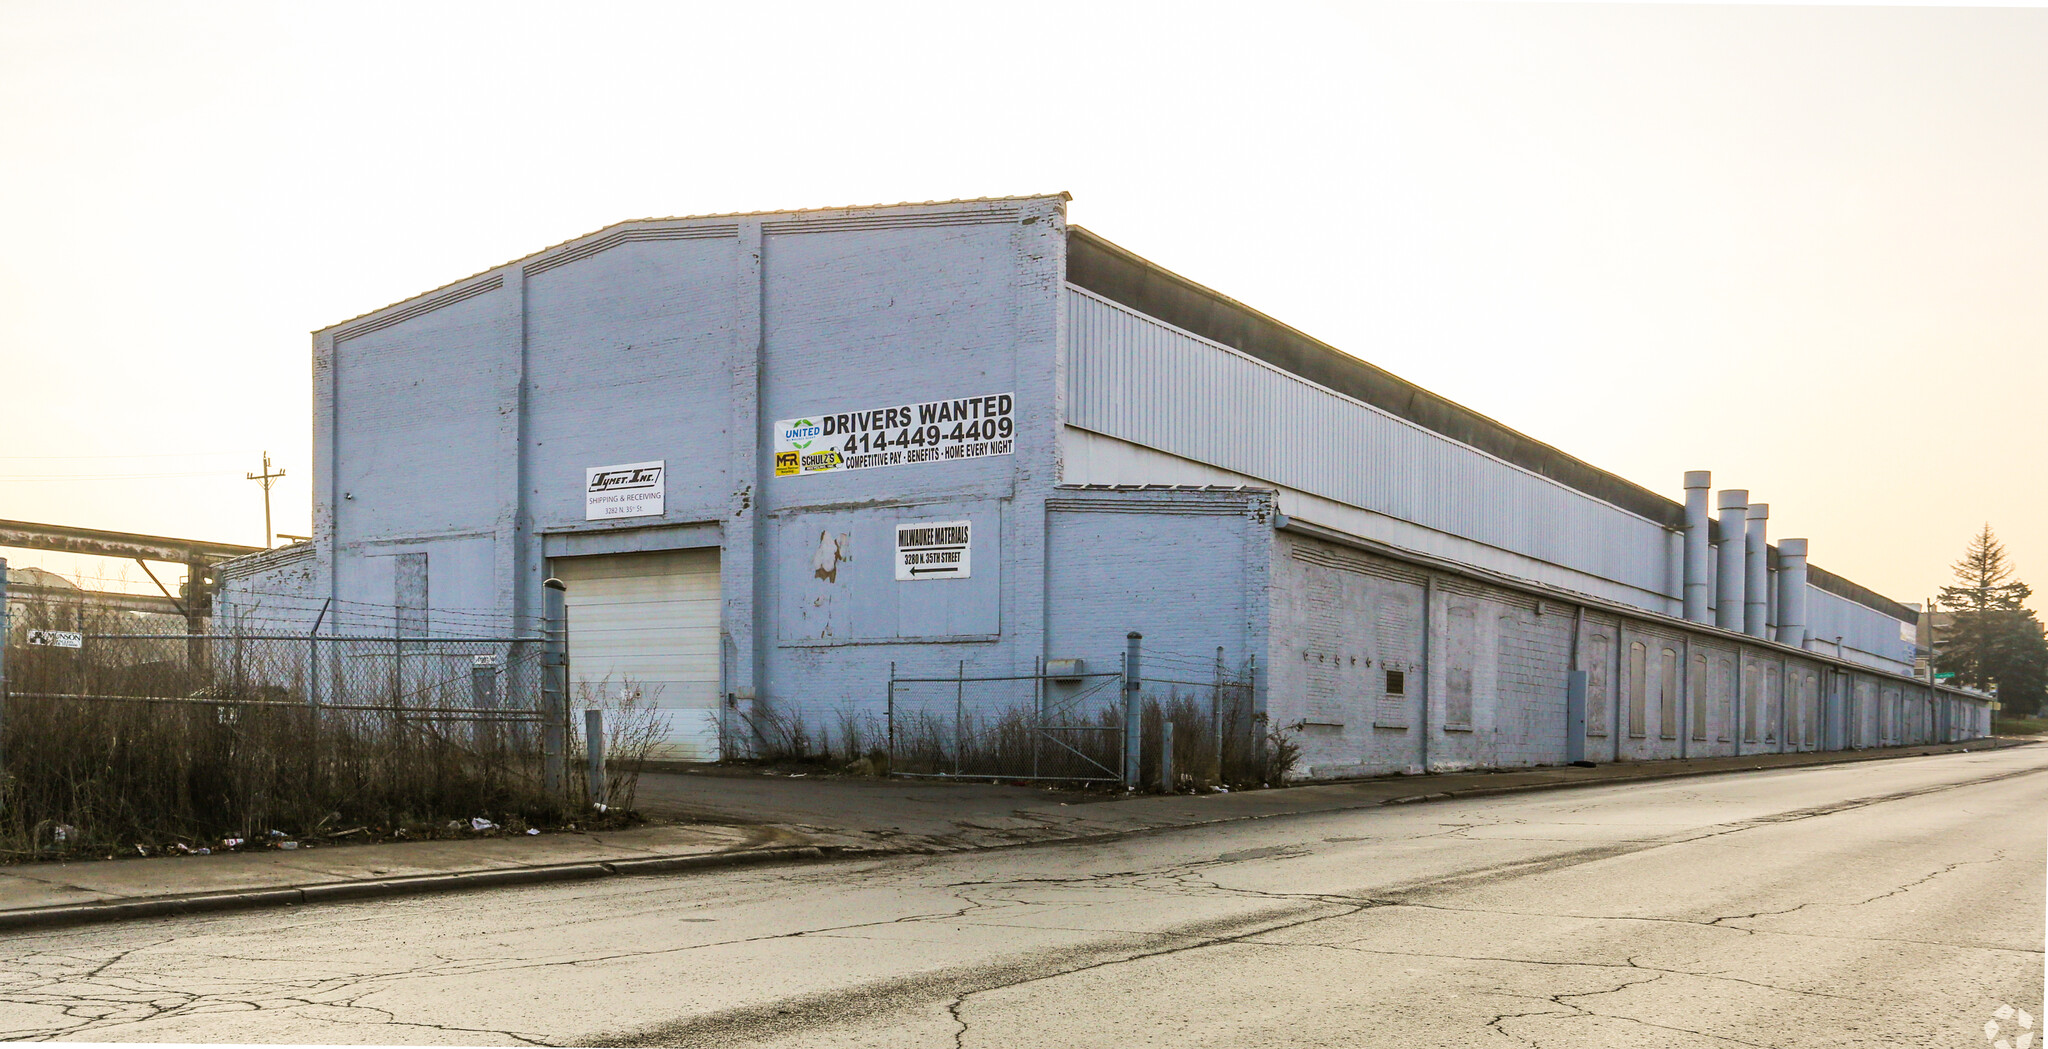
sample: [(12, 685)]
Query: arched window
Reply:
[(1637, 684)]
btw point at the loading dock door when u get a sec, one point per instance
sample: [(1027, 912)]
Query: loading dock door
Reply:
[(649, 621)]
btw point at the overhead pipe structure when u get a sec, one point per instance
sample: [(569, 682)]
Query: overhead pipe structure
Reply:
[(1756, 605), (1792, 592), (1697, 527), (1734, 529)]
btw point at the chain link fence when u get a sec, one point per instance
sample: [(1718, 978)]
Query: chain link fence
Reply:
[(118, 732), (1159, 720)]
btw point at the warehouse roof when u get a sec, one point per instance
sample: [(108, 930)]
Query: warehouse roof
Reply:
[(1123, 276)]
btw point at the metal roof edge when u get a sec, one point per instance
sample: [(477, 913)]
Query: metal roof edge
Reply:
[(1518, 448), (797, 213)]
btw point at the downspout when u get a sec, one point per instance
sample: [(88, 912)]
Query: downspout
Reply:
[(1728, 604), (1428, 662), (1697, 527), (1756, 605)]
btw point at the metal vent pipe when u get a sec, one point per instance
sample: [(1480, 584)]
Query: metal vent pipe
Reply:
[(1697, 567), (1734, 529), (1756, 605), (1792, 592)]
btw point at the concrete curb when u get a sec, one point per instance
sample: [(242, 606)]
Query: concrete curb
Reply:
[(1988, 744), (335, 892)]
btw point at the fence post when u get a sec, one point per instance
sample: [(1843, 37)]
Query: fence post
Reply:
[(1134, 728), (1256, 720), (1165, 754), (959, 714), (1038, 708), (1216, 713), (554, 687), (4, 627), (889, 714), (313, 655), (593, 740)]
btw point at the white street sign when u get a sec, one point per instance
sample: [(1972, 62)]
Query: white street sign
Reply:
[(933, 549), (56, 638)]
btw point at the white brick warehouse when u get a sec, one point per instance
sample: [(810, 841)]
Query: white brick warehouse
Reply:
[(780, 455)]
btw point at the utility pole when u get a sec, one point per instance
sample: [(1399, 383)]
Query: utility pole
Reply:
[(267, 478)]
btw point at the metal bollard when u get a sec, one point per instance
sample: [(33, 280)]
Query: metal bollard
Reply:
[(554, 689)]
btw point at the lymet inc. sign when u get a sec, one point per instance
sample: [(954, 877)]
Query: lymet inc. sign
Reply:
[(626, 490), (896, 435)]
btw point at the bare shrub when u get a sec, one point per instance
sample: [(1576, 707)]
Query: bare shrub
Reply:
[(166, 742), (634, 724)]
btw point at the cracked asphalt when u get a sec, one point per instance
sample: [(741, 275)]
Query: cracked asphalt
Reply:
[(1878, 904)]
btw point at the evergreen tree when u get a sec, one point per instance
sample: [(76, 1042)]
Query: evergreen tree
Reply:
[(1993, 641), (1986, 582)]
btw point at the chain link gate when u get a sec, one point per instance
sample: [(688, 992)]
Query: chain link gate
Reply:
[(1163, 726)]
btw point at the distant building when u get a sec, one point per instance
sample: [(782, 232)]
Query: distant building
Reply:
[(779, 458)]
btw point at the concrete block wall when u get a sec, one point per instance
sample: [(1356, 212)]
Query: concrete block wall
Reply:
[(1186, 568), (459, 426), (1492, 693)]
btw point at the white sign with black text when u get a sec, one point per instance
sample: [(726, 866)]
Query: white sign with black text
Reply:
[(934, 549), (56, 638), (627, 490)]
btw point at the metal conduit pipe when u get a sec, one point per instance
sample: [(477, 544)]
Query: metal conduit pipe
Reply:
[(1697, 568), (1734, 529), (1756, 605), (1792, 592)]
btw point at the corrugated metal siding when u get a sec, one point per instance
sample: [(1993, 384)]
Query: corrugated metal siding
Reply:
[(1868, 632), (1139, 380)]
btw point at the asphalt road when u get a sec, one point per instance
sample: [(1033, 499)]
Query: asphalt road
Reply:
[(1880, 904)]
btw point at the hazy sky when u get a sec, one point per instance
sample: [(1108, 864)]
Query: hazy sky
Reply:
[(1803, 247)]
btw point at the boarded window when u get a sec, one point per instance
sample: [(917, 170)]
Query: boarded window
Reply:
[(1462, 656), (1695, 701), (1398, 617), (1638, 713), (1774, 703), (1724, 697), (1667, 695), (1599, 655), (1864, 714), (409, 594), (1752, 695)]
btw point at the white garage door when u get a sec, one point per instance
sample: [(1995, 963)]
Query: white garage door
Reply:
[(649, 622)]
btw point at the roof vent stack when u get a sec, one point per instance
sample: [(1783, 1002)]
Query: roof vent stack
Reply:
[(1698, 564), (1728, 604), (1792, 592), (1756, 606)]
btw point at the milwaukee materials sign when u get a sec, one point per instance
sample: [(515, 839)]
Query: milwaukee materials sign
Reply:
[(934, 550)]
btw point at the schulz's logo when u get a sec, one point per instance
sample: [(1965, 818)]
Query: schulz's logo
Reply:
[(620, 480), (2009, 1028)]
